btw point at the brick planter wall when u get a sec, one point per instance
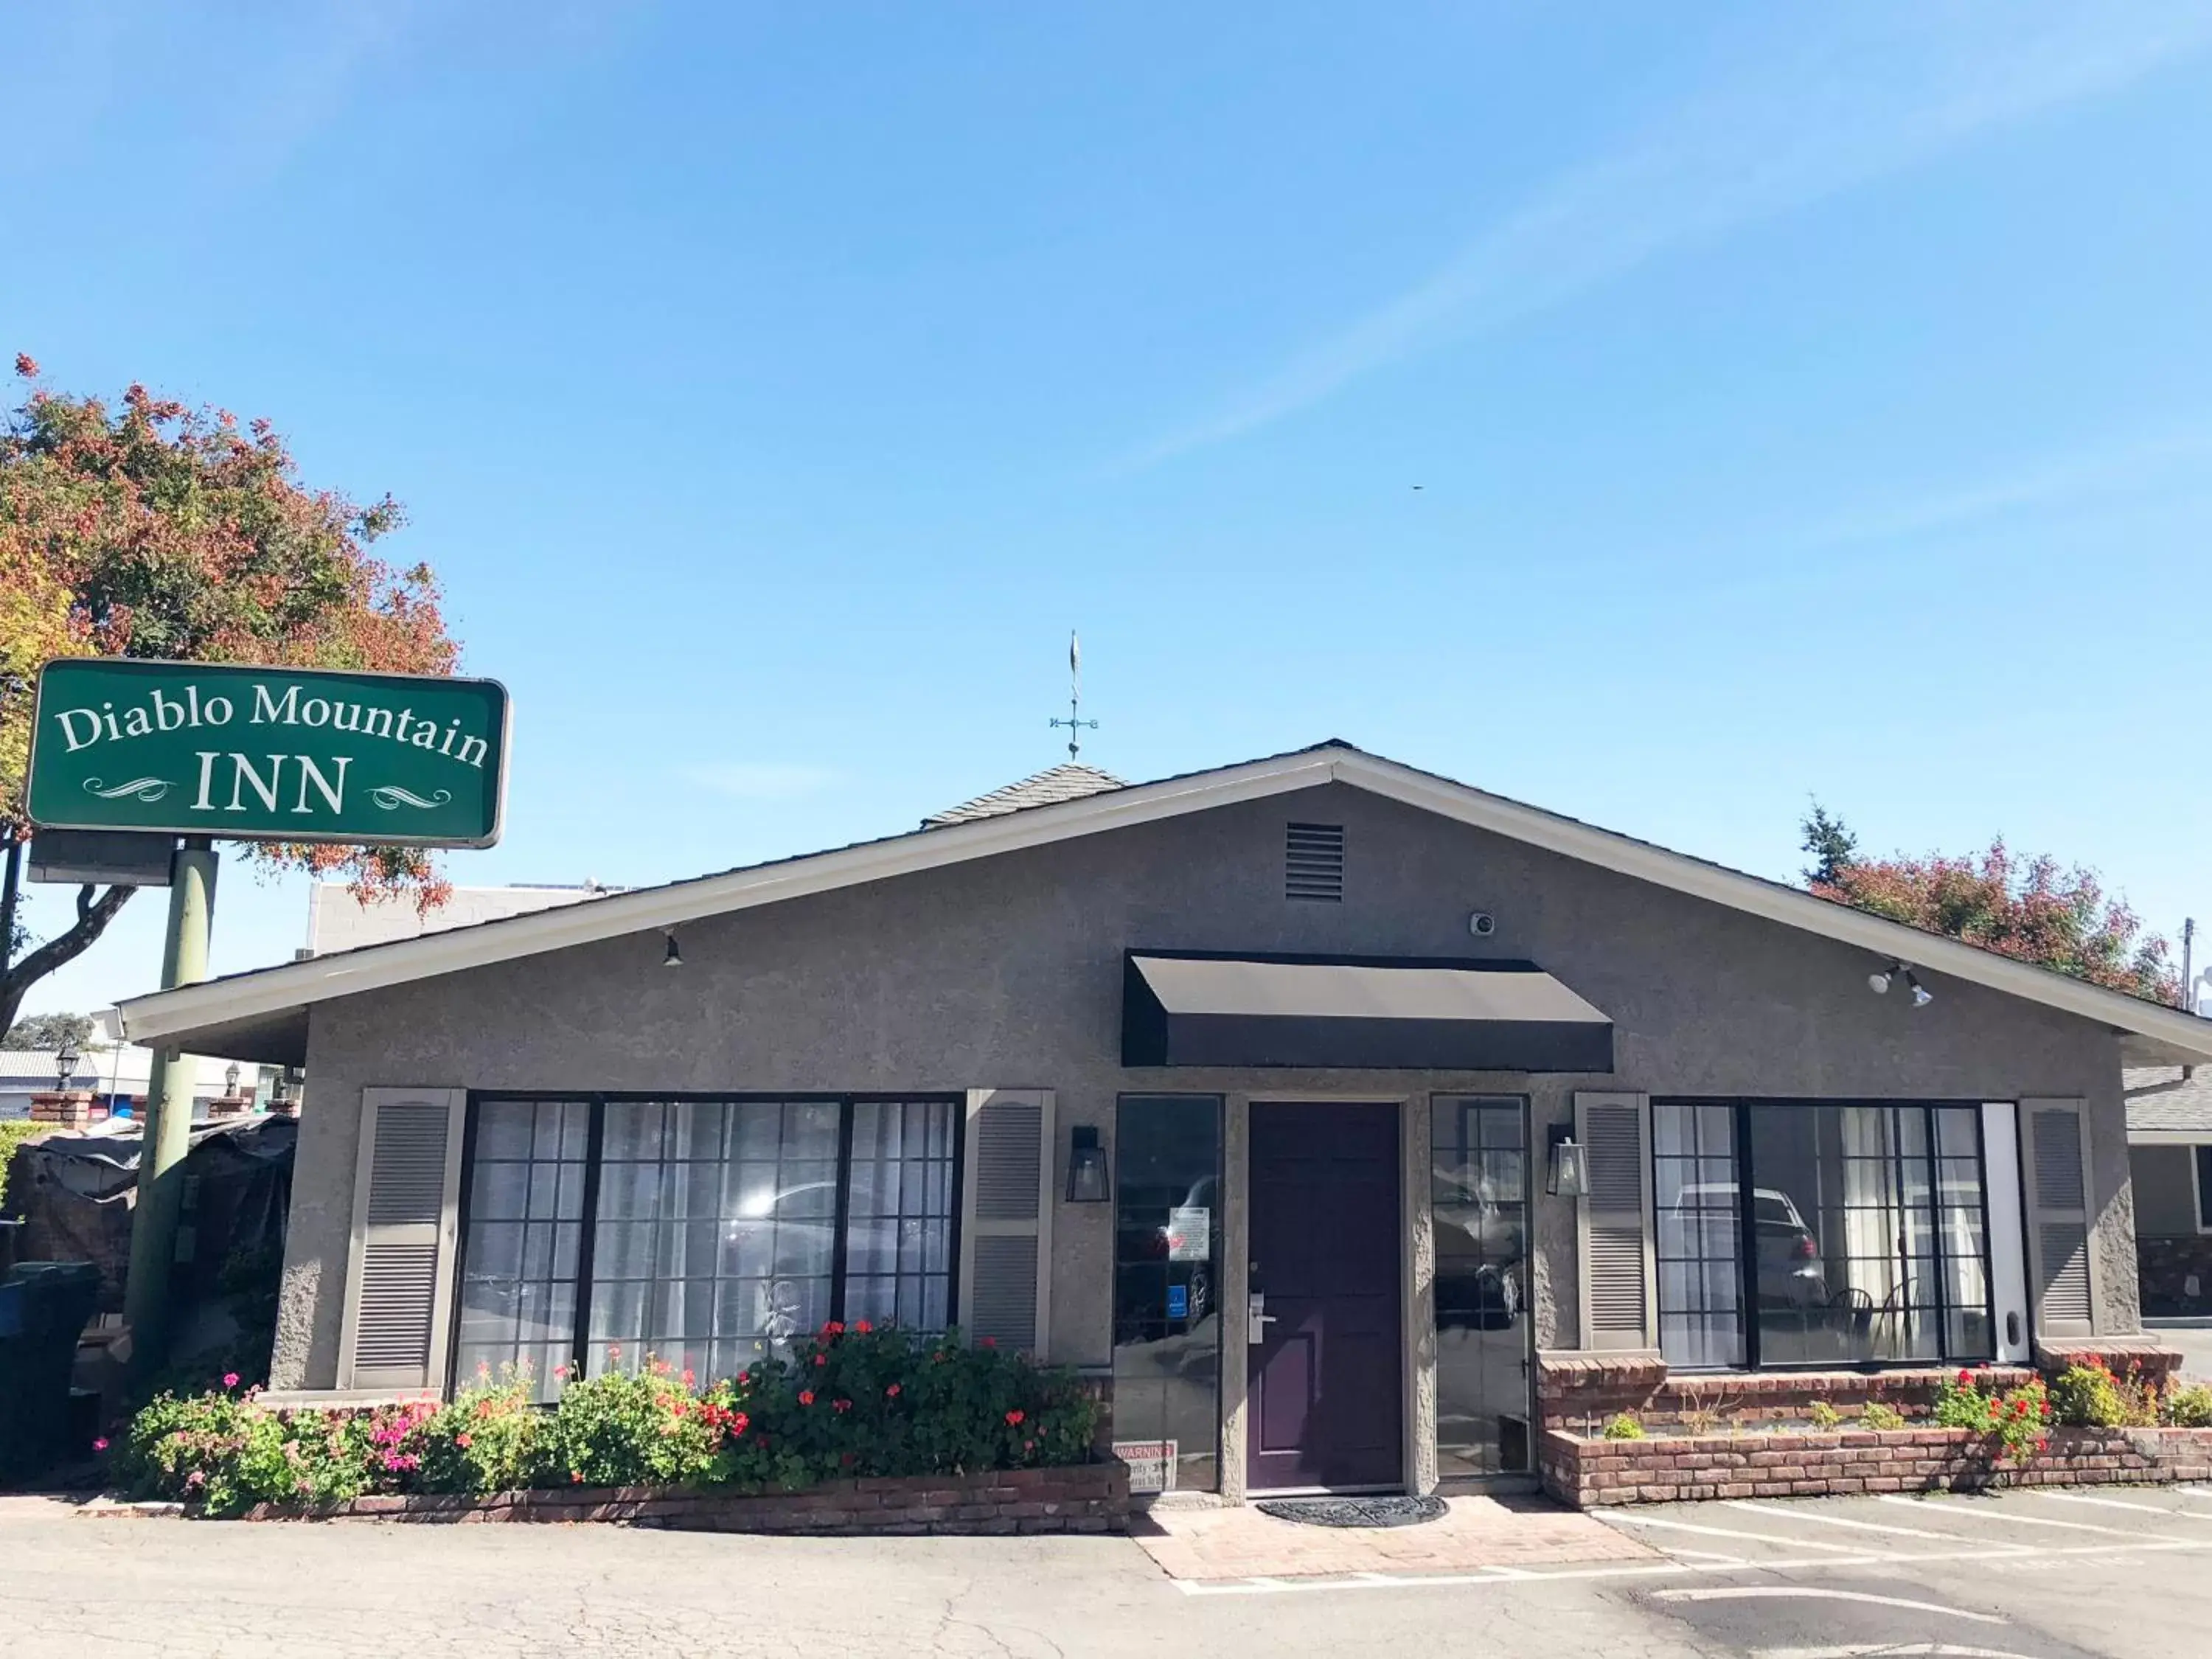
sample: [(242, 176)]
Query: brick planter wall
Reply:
[(1590, 1473), (1092, 1498), (1577, 1393)]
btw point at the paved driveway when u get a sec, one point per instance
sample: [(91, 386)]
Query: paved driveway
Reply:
[(2117, 1575)]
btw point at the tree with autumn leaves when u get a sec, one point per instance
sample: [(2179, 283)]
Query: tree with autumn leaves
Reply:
[(152, 529), (2034, 910)]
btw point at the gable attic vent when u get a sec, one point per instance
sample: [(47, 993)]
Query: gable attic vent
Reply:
[(1313, 862)]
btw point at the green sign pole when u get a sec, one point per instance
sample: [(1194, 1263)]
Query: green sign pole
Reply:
[(166, 1136)]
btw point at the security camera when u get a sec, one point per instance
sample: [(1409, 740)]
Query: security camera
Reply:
[(1482, 924)]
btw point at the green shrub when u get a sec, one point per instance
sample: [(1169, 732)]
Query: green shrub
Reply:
[(2190, 1407), (13, 1134), (846, 1402), (1878, 1416), (1624, 1425), (2090, 1396), (641, 1428), (1823, 1415), (488, 1438), (2015, 1422)]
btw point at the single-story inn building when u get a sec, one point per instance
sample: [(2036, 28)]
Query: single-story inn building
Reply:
[(1349, 1125)]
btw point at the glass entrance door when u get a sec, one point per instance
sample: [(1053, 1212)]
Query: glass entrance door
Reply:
[(1479, 1200)]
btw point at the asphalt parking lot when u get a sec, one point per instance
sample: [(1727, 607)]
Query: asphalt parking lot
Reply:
[(2121, 1574)]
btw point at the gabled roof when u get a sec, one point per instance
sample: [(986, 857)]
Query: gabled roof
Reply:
[(2164, 1103), (1070, 780), (261, 1014)]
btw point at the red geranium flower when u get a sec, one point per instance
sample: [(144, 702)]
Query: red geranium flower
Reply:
[(835, 1328), (892, 1392), (821, 1358), (807, 1397), (861, 1327), (1015, 1418), (840, 1405)]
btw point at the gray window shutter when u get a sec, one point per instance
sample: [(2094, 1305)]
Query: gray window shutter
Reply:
[(1005, 1219), (399, 1278), (2056, 1148), (1614, 1223)]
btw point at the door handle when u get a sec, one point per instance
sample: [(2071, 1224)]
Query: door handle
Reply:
[(1257, 1318)]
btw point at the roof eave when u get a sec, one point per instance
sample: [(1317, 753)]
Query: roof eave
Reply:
[(2149, 1034)]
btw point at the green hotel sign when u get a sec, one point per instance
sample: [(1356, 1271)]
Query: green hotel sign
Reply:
[(267, 754)]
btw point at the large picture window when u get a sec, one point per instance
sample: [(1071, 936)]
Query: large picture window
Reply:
[(1797, 1234), (704, 1232)]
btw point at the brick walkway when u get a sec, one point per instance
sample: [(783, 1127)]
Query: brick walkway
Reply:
[(1474, 1532)]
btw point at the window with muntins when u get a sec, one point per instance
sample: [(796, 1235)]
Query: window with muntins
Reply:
[(707, 1233), (1812, 1234)]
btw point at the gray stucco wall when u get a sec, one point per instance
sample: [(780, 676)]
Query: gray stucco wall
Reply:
[(1007, 973), (2164, 1191)]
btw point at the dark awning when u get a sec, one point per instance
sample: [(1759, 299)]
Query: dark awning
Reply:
[(1191, 1009)]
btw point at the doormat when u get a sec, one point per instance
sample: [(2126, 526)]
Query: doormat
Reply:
[(1354, 1511)]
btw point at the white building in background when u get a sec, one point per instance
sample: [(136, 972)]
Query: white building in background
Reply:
[(116, 1072), (338, 922)]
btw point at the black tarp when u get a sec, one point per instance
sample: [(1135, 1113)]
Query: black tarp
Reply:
[(74, 1195)]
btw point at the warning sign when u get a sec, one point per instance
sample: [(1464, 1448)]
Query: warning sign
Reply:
[(1152, 1463), (1190, 1233)]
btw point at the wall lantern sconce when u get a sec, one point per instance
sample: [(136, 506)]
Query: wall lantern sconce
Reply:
[(672, 957), (1087, 1166), (66, 1065), (1570, 1171)]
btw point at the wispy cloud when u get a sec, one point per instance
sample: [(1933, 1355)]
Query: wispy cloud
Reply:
[(2122, 469), (759, 781), (1832, 114)]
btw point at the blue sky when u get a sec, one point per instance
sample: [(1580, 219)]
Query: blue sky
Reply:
[(1800, 403)]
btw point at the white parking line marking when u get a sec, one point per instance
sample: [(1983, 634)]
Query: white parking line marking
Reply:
[(1729, 1532), (1998, 1557), (1684, 1552), (2115, 1503), (1890, 1650), (1784, 1512), (2006, 1518), (1805, 1592)]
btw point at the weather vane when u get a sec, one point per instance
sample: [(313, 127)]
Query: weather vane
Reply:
[(1075, 723)]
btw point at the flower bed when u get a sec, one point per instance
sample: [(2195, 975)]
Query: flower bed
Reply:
[(848, 1405), (1590, 1473)]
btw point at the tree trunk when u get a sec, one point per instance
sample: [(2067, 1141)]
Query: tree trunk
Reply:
[(93, 915)]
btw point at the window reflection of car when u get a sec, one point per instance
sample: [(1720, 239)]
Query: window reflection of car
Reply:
[(1487, 1299), (1790, 1271), (798, 1222)]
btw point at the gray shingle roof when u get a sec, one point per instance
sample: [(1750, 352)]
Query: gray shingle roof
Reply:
[(2160, 1098), (1070, 780)]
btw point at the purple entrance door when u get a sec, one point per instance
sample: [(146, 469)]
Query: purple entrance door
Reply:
[(1325, 1406)]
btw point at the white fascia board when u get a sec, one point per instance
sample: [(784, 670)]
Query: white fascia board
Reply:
[(1890, 940), (2170, 1136), (318, 979)]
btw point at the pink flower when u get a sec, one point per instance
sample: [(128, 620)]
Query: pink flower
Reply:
[(1014, 1418), (462, 1441), (99, 1445), (230, 1379), (892, 1392)]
